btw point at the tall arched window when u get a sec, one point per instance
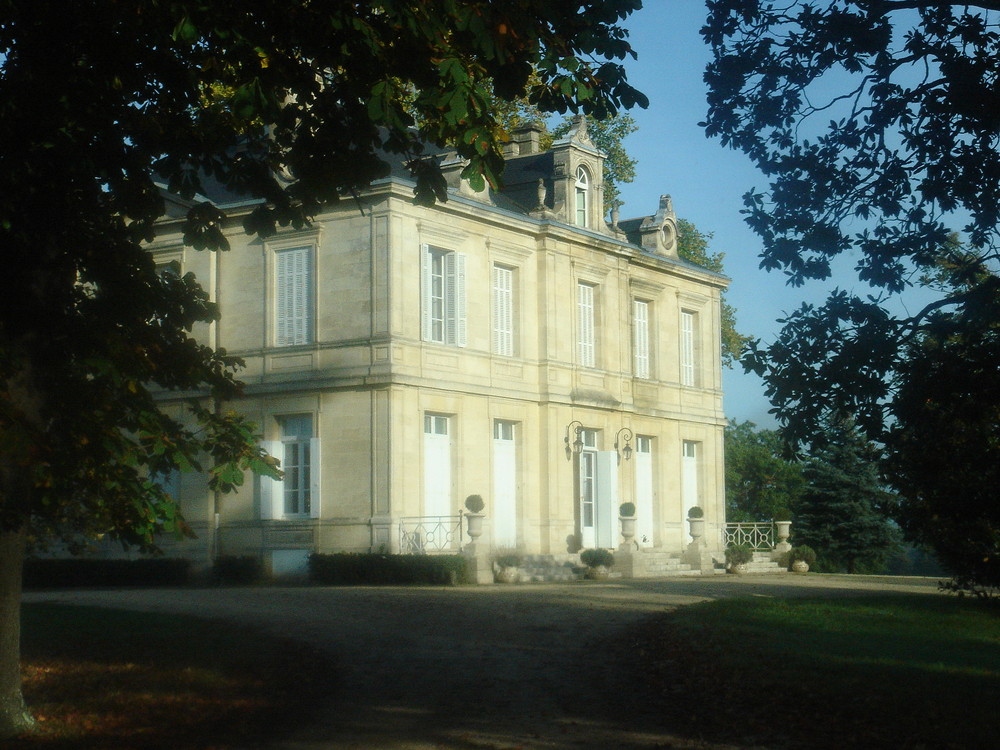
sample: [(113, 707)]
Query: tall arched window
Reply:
[(582, 188)]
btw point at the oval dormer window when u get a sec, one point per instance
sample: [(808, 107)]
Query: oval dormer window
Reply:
[(582, 197)]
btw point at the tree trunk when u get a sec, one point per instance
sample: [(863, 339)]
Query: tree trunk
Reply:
[(14, 716)]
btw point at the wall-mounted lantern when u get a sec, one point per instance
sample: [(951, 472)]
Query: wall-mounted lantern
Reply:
[(574, 429), (624, 437)]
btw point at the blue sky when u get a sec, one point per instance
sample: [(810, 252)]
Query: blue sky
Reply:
[(705, 180)]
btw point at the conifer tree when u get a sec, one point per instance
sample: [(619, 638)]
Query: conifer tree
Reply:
[(841, 513)]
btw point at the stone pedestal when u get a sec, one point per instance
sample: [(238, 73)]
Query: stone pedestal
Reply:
[(698, 557), (782, 531), (628, 535), (478, 566), (630, 563)]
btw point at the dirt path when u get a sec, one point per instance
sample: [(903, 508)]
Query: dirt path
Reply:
[(474, 667)]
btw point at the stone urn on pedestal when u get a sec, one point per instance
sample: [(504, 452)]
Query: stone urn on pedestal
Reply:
[(478, 568), (696, 525), (697, 554), (474, 518), (626, 516), (782, 530)]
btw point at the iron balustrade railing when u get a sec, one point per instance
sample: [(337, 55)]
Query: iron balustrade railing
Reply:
[(758, 536), (420, 535)]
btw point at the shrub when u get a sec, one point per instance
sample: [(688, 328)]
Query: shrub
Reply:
[(80, 572), (803, 552), (782, 514), (594, 557), (696, 512), (474, 504), (347, 568), (627, 510), (738, 554), (233, 569), (508, 558)]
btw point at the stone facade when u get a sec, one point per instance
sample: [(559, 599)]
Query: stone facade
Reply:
[(399, 358)]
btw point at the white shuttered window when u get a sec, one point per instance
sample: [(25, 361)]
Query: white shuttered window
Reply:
[(689, 324), (442, 304), (585, 325), (640, 335), (293, 296), (503, 311)]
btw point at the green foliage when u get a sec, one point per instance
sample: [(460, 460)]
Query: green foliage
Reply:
[(474, 504), (944, 449), (45, 573), (593, 558), (868, 154), (696, 511), (842, 510), (508, 558), (802, 552), (738, 554), (302, 103), (692, 245), (626, 510), (305, 101), (760, 482), (345, 568)]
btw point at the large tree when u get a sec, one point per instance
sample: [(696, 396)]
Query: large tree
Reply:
[(842, 510), (761, 483), (876, 125), (101, 101)]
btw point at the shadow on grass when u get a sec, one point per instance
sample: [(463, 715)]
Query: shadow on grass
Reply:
[(899, 672), (102, 678)]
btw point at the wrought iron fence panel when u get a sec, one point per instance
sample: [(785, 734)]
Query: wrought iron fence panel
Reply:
[(420, 535), (757, 536)]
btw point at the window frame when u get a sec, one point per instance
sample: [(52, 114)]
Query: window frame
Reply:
[(688, 348), (581, 185), (586, 317), (448, 267), (293, 316), (504, 317), (642, 355)]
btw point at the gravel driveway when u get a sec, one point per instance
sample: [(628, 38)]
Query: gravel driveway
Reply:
[(470, 668)]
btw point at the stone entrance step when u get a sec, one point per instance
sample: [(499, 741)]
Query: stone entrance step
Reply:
[(545, 568)]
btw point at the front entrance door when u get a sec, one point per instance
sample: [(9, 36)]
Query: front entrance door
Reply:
[(437, 465), (598, 483), (504, 485), (588, 498), (644, 491), (689, 476)]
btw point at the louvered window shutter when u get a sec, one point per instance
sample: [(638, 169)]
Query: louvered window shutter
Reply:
[(425, 292), (315, 478), (503, 311), (641, 338), (461, 324), (293, 296), (585, 310), (687, 348), (272, 491)]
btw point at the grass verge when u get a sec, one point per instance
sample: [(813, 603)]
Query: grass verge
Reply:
[(100, 678), (899, 672)]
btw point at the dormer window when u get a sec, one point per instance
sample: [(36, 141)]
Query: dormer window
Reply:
[(582, 188)]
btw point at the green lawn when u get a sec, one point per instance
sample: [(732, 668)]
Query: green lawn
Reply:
[(893, 672), (101, 678)]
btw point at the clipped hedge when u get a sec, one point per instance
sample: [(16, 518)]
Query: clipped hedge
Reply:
[(232, 569), (67, 573), (373, 568)]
